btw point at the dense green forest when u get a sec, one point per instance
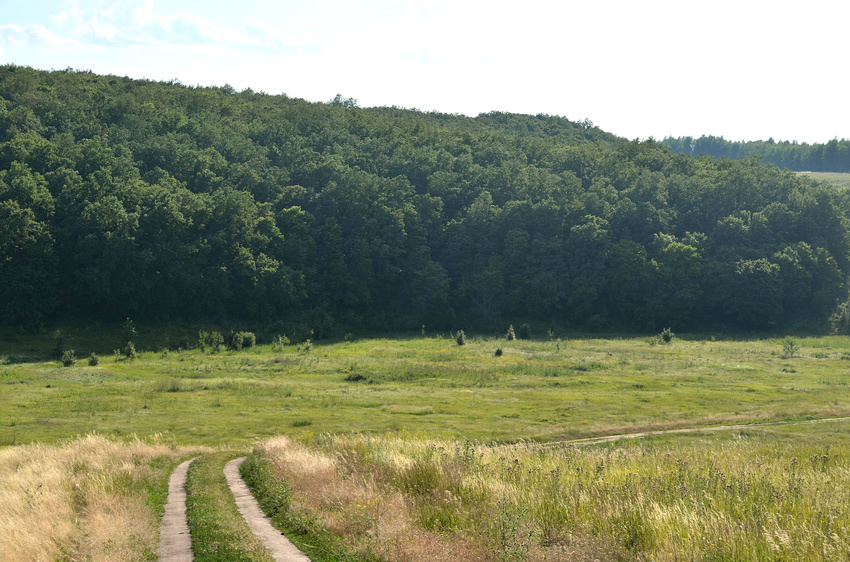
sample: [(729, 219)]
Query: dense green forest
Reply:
[(159, 201), (833, 156)]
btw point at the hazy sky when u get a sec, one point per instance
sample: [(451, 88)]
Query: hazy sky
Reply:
[(744, 69)]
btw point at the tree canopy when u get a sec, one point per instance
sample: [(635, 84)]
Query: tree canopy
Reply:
[(123, 197)]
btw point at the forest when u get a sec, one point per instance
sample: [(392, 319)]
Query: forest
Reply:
[(166, 202), (833, 156)]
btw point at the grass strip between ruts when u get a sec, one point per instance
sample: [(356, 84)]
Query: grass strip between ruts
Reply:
[(219, 533)]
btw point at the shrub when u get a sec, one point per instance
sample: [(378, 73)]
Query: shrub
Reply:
[(249, 339), (511, 335), (69, 358), (237, 340), (93, 359), (524, 332), (306, 346), (213, 340), (667, 335), (789, 346), (280, 342), (460, 338), (216, 341), (498, 352)]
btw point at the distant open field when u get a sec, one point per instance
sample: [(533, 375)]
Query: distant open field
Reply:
[(835, 178), (539, 390)]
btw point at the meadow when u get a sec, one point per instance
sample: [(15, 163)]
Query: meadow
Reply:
[(397, 447), (837, 179), (537, 390)]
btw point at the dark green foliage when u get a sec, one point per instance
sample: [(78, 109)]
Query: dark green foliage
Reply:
[(790, 346), (237, 340), (213, 341), (460, 337), (68, 358), (498, 352), (834, 156), (93, 360), (129, 198), (667, 335), (524, 332)]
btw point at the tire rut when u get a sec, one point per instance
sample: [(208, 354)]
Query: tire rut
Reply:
[(281, 548), (175, 540)]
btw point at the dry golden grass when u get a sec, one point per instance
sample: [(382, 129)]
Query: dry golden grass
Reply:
[(81, 500), (376, 521), (776, 493)]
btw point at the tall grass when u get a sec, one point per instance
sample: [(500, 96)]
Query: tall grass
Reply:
[(770, 495), (92, 498)]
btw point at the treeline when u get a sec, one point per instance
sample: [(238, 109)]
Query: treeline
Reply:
[(123, 197), (833, 156)]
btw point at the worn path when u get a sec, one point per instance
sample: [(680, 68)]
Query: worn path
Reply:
[(175, 542), (608, 438), (282, 550)]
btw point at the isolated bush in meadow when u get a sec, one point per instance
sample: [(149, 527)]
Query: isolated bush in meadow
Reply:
[(667, 335), (498, 352), (69, 358), (460, 337), (280, 342), (93, 359), (790, 346), (511, 335)]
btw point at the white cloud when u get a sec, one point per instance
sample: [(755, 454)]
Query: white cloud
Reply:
[(34, 36)]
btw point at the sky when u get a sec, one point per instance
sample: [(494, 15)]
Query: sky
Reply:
[(742, 69)]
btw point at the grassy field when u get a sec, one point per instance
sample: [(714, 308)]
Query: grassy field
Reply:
[(420, 445), (835, 178), (537, 390), (766, 493)]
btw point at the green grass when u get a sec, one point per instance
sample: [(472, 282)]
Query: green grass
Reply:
[(219, 533), (835, 178), (537, 390)]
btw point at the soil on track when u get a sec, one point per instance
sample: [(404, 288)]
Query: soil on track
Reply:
[(281, 549), (175, 541)]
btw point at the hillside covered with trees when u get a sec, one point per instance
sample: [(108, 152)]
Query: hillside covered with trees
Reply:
[(833, 156), (123, 197)]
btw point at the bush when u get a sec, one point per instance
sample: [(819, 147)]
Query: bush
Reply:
[(524, 332), (511, 335), (237, 340), (93, 359), (129, 350), (280, 342), (789, 346), (498, 352), (460, 338), (667, 335), (69, 358), (213, 340), (241, 340)]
